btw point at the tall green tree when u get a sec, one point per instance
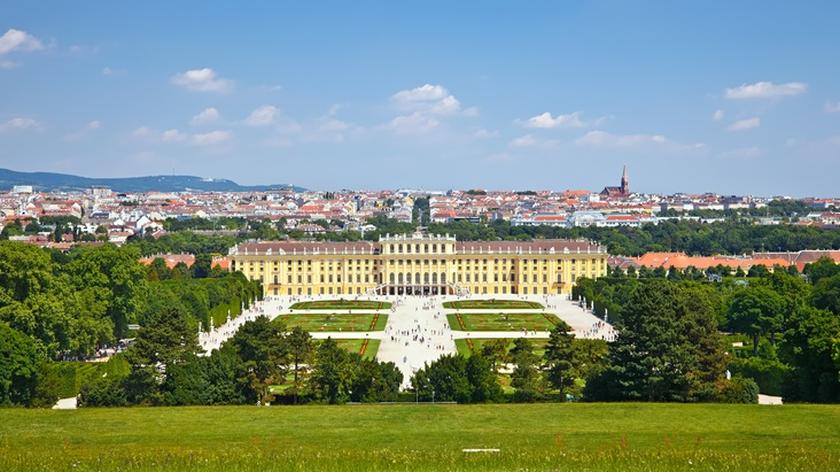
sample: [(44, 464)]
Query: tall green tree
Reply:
[(560, 358), (756, 310), (262, 346), (334, 372), (18, 367), (169, 340), (301, 354), (526, 377)]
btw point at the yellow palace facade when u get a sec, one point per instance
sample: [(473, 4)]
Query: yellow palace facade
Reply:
[(418, 264)]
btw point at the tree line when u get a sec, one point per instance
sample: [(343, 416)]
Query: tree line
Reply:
[(788, 323), (58, 306), (262, 363)]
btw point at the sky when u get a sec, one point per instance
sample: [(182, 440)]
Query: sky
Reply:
[(728, 97)]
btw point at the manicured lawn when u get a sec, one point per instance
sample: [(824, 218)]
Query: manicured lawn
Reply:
[(341, 305), (355, 345), (503, 322), (334, 322), (464, 349), (537, 437), (491, 304)]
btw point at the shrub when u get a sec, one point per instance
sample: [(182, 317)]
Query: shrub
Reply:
[(738, 390)]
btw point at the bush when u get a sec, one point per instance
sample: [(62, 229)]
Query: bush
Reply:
[(769, 374), (105, 391), (738, 390)]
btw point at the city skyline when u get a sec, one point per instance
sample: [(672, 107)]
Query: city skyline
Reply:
[(691, 98)]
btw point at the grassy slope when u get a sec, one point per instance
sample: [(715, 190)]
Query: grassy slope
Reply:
[(490, 304), (425, 437)]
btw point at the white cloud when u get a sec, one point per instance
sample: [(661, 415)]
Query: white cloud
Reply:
[(832, 107), (424, 93), (202, 80), (208, 115), (604, 139), (173, 136), (571, 120), (432, 99), (262, 116), (7, 65), (16, 40), (19, 124), (524, 141), (717, 115), (95, 124), (415, 123), (766, 90), (745, 124), (212, 138), (177, 136)]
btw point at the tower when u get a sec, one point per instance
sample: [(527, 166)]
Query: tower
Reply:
[(625, 182)]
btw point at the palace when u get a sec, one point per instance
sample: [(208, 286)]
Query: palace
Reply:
[(418, 264)]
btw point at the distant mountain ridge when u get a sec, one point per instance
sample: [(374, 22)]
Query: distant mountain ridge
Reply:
[(49, 181)]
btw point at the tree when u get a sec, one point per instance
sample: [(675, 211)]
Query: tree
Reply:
[(482, 379), (262, 347), (301, 352), (822, 268), (117, 277), (826, 293), (169, 339), (495, 351), (444, 380), (201, 268), (560, 357), (810, 345), (158, 270), (645, 362), (375, 381), (332, 378), (526, 377), (756, 310), (18, 367)]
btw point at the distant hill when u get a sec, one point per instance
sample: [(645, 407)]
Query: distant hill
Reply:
[(48, 181)]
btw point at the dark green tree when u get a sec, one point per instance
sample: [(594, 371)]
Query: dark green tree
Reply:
[(262, 346), (526, 377), (301, 354), (559, 358)]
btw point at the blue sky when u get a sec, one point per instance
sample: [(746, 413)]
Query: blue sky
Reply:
[(730, 97)]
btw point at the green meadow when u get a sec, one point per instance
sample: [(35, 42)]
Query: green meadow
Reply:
[(534, 437)]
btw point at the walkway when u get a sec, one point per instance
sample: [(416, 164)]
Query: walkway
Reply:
[(416, 334), (213, 339)]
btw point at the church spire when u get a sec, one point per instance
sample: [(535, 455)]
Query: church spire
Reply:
[(625, 181)]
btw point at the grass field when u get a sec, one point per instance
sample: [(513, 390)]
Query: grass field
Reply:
[(503, 322), (355, 345), (533, 437), (334, 322), (341, 305), (490, 304), (464, 348)]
